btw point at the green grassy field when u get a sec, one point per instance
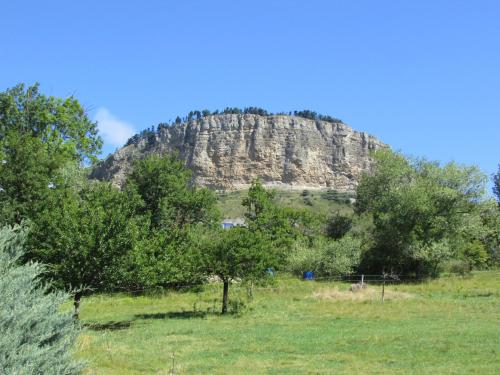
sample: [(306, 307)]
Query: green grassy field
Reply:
[(446, 326), (230, 202)]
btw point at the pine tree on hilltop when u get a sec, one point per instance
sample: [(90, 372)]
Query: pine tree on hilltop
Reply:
[(35, 337)]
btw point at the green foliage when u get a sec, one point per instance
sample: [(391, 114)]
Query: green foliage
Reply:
[(475, 254), (36, 338), (337, 196), (338, 226), (167, 255), (229, 203), (304, 257), (418, 208), (39, 136), (61, 124), (164, 184), (480, 227), (340, 257), (86, 235), (496, 184), (311, 115), (263, 215), (236, 253), (325, 257)]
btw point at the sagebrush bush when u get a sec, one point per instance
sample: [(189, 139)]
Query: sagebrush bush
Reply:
[(35, 337)]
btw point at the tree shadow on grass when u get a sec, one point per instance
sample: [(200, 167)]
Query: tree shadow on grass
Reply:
[(173, 315), (119, 325), (108, 326)]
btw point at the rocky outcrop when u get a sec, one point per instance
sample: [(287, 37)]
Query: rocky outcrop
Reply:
[(226, 152)]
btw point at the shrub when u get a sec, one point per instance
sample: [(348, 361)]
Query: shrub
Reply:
[(304, 258), (457, 266), (337, 226), (35, 337), (475, 254), (325, 257), (340, 257)]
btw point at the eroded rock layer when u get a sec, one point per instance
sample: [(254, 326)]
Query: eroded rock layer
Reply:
[(226, 152)]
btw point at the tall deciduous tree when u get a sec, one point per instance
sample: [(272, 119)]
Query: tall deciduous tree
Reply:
[(39, 135), (174, 205), (418, 207)]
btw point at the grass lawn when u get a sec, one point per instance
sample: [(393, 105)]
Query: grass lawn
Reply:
[(446, 326)]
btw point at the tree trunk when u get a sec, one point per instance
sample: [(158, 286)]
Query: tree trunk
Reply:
[(76, 303), (225, 296)]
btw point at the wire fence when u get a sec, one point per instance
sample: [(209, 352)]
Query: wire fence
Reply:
[(276, 282)]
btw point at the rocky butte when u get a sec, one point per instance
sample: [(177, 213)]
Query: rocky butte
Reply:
[(228, 151)]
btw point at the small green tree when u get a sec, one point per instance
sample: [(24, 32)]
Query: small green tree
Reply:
[(280, 226), (236, 253), (85, 237), (36, 337)]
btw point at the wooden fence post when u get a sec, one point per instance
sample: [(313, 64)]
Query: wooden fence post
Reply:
[(383, 288)]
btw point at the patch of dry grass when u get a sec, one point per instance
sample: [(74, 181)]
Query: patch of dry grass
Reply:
[(368, 293)]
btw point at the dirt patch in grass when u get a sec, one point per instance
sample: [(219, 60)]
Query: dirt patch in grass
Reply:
[(365, 294)]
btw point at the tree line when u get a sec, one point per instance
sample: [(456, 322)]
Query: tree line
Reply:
[(150, 133)]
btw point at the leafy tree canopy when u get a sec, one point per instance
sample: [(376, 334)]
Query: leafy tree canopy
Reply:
[(85, 236), (39, 136), (165, 185), (417, 208), (60, 124), (236, 253)]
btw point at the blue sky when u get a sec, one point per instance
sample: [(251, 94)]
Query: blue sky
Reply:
[(423, 76)]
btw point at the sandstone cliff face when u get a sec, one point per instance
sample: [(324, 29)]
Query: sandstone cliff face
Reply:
[(227, 152)]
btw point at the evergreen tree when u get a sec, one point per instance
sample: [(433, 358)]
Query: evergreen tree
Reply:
[(36, 338)]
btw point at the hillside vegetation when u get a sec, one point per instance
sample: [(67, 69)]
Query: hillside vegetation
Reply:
[(316, 201)]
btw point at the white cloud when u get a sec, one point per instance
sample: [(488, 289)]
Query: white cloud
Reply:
[(113, 130)]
